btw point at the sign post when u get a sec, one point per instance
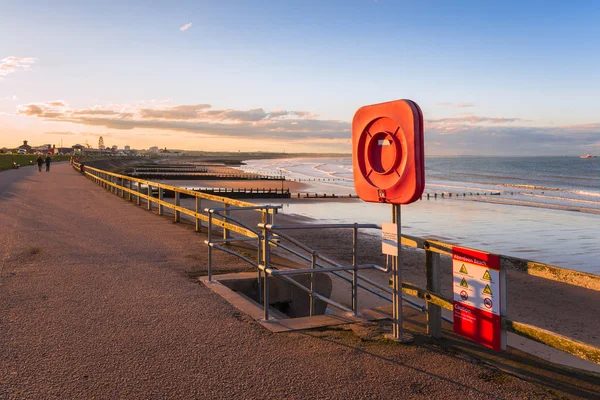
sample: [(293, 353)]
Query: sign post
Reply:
[(388, 159), (479, 297)]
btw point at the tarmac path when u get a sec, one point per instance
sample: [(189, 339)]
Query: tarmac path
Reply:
[(96, 302)]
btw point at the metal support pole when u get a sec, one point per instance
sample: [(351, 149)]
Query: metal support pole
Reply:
[(397, 329), (226, 234), (121, 186), (209, 247), (160, 197), (259, 272), (149, 197), (139, 191), (355, 271), (198, 209), (503, 306), (434, 285), (129, 185), (312, 283), (266, 297), (176, 213)]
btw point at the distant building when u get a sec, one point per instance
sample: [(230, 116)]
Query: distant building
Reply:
[(63, 150), (153, 150), (114, 147), (25, 146), (78, 148), (127, 148)]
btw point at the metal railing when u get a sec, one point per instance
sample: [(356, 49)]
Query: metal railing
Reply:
[(269, 231), (269, 234), (140, 189)]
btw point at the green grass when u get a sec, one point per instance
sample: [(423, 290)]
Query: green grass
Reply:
[(7, 160)]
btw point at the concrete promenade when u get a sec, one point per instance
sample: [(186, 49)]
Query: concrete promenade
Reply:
[(96, 301)]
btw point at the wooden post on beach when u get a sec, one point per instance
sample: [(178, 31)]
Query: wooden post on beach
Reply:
[(434, 312)]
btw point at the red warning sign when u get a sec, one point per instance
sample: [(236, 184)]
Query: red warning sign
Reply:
[(477, 297)]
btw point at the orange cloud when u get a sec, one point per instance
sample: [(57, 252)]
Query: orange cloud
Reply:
[(12, 64)]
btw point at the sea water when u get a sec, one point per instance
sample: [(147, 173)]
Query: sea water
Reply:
[(545, 209)]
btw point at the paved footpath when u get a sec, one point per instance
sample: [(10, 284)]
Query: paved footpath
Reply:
[(96, 302)]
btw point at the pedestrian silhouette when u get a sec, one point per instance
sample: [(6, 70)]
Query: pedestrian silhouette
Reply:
[(40, 162), (48, 161)]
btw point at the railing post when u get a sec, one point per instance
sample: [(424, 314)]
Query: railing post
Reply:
[(176, 213), (354, 271), (149, 197), (226, 234), (198, 209), (160, 197), (209, 246), (129, 185), (139, 191), (434, 312), (312, 282), (259, 272), (266, 297)]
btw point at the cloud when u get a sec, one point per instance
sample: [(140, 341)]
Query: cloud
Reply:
[(12, 64), (510, 139), (185, 27), (465, 134), (472, 119), (196, 119), (30, 110), (97, 112), (457, 105)]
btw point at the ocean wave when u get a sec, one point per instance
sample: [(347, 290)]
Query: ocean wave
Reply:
[(585, 193), (531, 187), (567, 199)]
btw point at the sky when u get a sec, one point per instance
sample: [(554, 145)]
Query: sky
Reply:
[(492, 78)]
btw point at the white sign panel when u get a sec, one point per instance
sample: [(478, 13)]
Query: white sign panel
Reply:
[(476, 284), (389, 238)]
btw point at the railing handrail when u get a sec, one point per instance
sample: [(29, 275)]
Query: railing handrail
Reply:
[(535, 268), (172, 188)]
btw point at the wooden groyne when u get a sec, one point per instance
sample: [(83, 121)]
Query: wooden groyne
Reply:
[(236, 193), (208, 176)]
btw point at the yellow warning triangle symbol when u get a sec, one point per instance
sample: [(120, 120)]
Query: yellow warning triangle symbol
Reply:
[(487, 275), (463, 269), (463, 283), (487, 290)]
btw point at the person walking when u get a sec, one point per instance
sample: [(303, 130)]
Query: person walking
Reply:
[(48, 161), (40, 162)]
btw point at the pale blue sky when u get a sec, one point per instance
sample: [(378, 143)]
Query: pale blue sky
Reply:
[(515, 72)]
